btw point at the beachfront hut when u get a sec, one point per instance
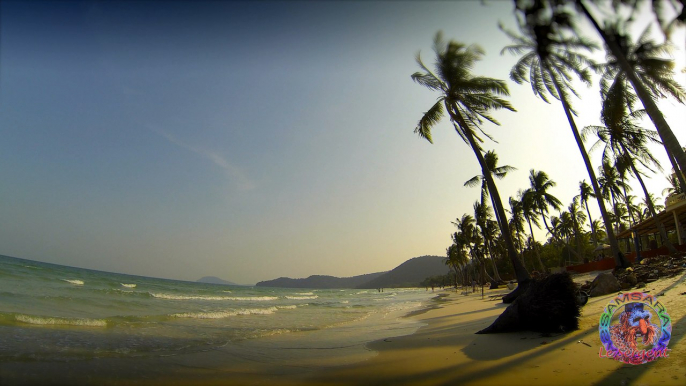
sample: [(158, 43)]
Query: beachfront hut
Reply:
[(673, 218)]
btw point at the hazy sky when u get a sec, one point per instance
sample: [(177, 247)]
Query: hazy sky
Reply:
[(252, 140)]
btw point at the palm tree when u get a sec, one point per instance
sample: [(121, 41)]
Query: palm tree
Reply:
[(674, 188), (627, 143), (585, 192), (468, 100), (548, 62), (577, 218), (499, 172), (611, 186), (527, 198), (456, 260), (623, 164), (467, 237), (482, 216), (649, 75), (563, 226), (540, 183), (633, 208), (517, 224)]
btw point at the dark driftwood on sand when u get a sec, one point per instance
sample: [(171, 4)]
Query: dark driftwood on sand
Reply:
[(547, 305)]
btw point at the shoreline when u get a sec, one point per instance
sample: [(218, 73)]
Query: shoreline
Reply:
[(443, 350), (447, 350)]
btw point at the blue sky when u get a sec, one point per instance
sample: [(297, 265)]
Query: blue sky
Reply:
[(248, 140)]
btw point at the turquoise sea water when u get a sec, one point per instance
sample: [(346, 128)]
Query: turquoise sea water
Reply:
[(56, 313)]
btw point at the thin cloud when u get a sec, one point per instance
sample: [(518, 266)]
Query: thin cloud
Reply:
[(233, 172)]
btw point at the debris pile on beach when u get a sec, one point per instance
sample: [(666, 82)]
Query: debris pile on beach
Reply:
[(647, 271), (547, 305)]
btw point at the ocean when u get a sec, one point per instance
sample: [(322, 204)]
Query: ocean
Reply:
[(57, 313)]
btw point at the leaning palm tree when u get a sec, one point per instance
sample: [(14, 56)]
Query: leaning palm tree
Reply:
[(585, 192), (548, 62), (468, 101), (636, 65), (650, 76), (627, 143)]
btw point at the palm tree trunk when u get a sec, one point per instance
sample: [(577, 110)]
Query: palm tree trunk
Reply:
[(590, 221), (538, 256), (668, 138), (618, 221), (496, 274), (482, 261), (619, 257), (626, 201), (521, 248), (520, 272)]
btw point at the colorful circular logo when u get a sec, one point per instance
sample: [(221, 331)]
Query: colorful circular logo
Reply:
[(635, 328)]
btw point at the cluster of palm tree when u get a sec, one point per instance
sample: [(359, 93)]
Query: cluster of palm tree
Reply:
[(553, 52)]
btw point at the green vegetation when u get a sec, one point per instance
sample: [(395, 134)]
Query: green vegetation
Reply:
[(487, 244)]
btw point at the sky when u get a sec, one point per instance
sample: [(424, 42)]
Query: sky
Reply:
[(254, 140)]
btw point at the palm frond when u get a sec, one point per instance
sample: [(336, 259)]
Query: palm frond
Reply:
[(429, 120)]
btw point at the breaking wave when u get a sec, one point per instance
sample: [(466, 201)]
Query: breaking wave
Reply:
[(195, 297), (48, 321), (226, 314)]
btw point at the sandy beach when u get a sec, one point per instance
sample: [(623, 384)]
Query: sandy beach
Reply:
[(445, 350)]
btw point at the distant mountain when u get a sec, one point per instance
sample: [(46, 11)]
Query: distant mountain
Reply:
[(320, 281), (409, 273), (214, 280)]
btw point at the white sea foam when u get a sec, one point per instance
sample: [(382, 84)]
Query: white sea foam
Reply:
[(60, 321), (74, 281), (128, 285), (185, 297), (254, 298), (345, 302), (287, 307), (301, 297), (226, 314), (304, 293)]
